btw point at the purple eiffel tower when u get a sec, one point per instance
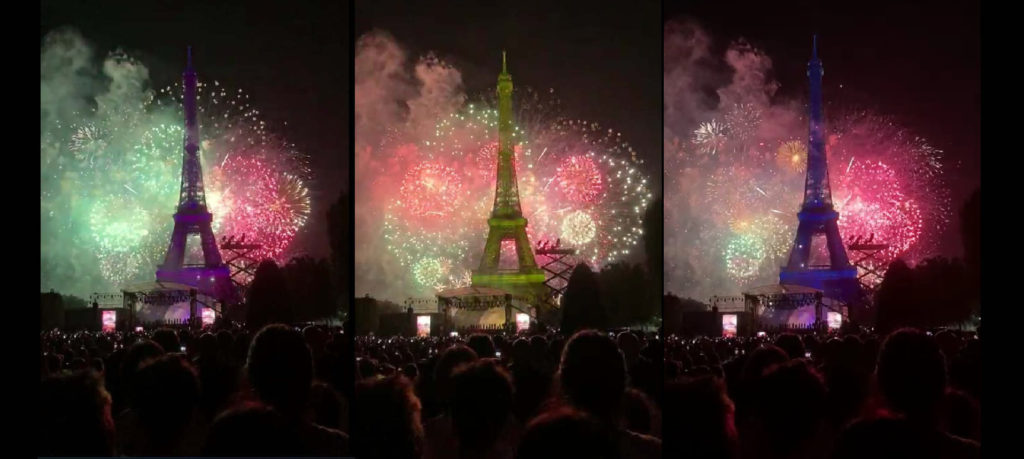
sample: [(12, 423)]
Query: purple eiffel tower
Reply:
[(212, 277)]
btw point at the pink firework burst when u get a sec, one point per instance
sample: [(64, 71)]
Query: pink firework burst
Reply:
[(248, 195), (871, 201), (580, 179), (431, 189)]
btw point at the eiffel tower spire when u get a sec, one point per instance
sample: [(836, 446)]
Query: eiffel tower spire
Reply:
[(192, 193), (506, 196), (817, 192)]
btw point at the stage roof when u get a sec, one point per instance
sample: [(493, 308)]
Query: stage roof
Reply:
[(780, 289), (156, 287), (471, 292)]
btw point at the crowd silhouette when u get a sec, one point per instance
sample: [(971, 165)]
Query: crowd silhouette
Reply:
[(278, 392), (595, 394), (281, 391), (908, 394)]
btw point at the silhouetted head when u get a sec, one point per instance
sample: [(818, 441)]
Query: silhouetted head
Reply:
[(629, 344), (481, 402), (280, 368), (791, 344), (700, 421), (761, 359), (392, 428), (139, 354), (788, 406), (74, 417), (167, 339), (208, 346), (253, 430), (911, 372), (520, 351), (482, 345), (166, 394), (451, 359), (315, 337), (593, 373), (224, 340), (566, 433)]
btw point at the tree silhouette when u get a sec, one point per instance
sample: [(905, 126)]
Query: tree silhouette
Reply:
[(339, 227), (654, 248), (581, 305), (311, 289), (675, 314), (894, 298), (626, 294), (267, 297), (970, 235), (934, 293)]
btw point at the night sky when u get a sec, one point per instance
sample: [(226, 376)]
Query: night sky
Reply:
[(916, 61), (602, 59), (292, 59), (919, 63)]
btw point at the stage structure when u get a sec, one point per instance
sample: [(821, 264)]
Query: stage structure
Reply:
[(167, 302), (780, 305), (818, 218), (475, 306), (507, 221), (192, 218)]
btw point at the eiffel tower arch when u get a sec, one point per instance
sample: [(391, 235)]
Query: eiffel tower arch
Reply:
[(192, 218)]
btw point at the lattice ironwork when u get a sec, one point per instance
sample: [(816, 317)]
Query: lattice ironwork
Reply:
[(867, 259), (560, 263), (238, 255)]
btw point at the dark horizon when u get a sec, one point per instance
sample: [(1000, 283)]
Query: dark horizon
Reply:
[(296, 72), (917, 63)]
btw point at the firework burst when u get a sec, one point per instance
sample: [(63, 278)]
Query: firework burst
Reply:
[(578, 182), (112, 177)]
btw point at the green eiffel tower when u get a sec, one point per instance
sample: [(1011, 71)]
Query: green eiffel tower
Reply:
[(507, 221)]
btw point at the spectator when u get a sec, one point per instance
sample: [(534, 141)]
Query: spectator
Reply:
[(164, 418), (167, 339), (75, 417), (481, 411), (592, 377), (390, 426), (567, 433), (911, 374), (699, 419), (280, 370), (256, 431)]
